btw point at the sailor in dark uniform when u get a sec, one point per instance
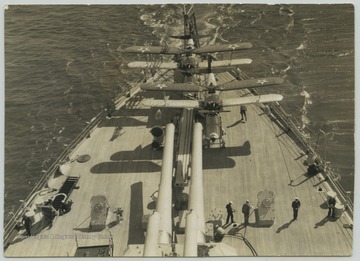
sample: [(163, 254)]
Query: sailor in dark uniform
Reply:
[(331, 204), (243, 110), (230, 212), (246, 211), (295, 205)]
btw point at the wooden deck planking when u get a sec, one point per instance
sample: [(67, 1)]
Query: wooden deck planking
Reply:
[(257, 157), (112, 178), (272, 165)]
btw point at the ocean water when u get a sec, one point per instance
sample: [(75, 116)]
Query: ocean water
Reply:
[(64, 63)]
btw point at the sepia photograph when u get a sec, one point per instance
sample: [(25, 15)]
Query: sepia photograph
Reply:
[(179, 130)]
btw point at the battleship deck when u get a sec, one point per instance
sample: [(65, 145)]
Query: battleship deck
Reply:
[(258, 156)]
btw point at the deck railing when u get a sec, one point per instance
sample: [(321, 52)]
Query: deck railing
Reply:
[(290, 122), (287, 120), (10, 225), (330, 176)]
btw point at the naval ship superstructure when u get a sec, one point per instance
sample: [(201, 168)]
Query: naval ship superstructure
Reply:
[(113, 193)]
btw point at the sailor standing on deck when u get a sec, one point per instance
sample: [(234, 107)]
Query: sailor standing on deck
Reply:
[(246, 211), (230, 212), (295, 205), (243, 110), (331, 204)]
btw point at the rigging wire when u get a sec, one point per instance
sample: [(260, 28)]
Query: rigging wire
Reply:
[(247, 242)]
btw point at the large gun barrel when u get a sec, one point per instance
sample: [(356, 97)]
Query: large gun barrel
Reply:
[(190, 244), (196, 197), (159, 229), (152, 235), (164, 202)]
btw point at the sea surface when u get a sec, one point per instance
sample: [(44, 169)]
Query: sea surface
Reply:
[(64, 63)]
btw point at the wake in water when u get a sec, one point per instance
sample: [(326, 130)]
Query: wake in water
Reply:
[(164, 22), (307, 101), (69, 77)]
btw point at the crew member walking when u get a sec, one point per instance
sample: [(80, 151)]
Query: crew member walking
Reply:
[(331, 204), (243, 110), (230, 212), (296, 205), (246, 211)]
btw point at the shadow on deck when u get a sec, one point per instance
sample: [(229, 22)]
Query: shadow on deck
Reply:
[(120, 122), (136, 234), (217, 158), (125, 167), (284, 226), (140, 153), (19, 235), (300, 179)]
